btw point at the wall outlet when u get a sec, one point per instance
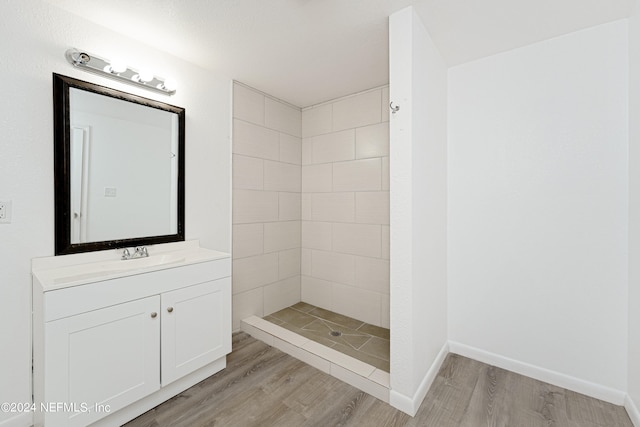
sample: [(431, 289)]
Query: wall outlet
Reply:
[(5, 211)]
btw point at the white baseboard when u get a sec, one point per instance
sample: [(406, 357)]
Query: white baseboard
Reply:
[(24, 419), (411, 404), (632, 410), (608, 394)]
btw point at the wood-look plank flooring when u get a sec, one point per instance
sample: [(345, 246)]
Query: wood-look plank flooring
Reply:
[(262, 386)]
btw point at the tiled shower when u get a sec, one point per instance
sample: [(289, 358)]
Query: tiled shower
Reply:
[(311, 205)]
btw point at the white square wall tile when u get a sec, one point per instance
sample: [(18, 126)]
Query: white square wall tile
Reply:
[(367, 309), (386, 110), (254, 206), (357, 239), (372, 141), (290, 149), (385, 249), (333, 147), (372, 274), (357, 110), (279, 176), (334, 267), (248, 104), (281, 294), (333, 207), (306, 206), (247, 240), (358, 175), (305, 261), (316, 120), (289, 263), (253, 272), (317, 292), (290, 206), (247, 172), (282, 117), (247, 304), (385, 174), (317, 178), (255, 141), (316, 235), (372, 207), (282, 235), (307, 144)]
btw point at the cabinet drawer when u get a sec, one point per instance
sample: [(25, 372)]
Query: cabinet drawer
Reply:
[(83, 298)]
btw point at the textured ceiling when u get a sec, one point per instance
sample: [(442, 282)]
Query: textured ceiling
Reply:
[(309, 51)]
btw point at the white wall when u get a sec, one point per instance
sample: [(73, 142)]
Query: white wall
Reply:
[(633, 403), (266, 204), (345, 206), (538, 209), (33, 39), (418, 84)]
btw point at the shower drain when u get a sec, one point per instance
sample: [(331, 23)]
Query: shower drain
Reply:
[(335, 333)]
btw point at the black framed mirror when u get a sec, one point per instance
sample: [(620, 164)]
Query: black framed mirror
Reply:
[(118, 168)]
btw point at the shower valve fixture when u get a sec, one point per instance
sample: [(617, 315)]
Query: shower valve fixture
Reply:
[(119, 71)]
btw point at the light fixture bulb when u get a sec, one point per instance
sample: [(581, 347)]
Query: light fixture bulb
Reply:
[(145, 76), (170, 85), (116, 67)]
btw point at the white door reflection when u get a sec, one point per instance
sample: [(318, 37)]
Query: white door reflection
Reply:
[(80, 146)]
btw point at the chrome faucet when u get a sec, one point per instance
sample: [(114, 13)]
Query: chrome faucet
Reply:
[(140, 252)]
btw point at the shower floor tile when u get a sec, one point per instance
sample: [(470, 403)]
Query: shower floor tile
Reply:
[(367, 343)]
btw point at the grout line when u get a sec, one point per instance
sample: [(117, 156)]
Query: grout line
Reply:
[(351, 95), (266, 95)]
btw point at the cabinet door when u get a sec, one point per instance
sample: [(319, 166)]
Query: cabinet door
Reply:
[(196, 327), (101, 361)]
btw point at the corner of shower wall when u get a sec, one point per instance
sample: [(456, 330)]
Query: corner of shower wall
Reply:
[(266, 215)]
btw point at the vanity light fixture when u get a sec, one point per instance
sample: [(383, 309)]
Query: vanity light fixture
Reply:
[(118, 70)]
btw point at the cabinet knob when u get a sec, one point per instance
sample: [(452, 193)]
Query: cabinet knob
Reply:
[(170, 309), (154, 315)]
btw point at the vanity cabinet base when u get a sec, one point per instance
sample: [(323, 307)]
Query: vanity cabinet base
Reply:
[(110, 349)]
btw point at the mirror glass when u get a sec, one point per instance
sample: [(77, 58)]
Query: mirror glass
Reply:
[(119, 168)]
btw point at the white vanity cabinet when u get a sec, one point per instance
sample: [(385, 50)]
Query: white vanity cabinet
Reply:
[(107, 349)]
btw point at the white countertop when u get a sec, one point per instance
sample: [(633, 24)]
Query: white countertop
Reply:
[(73, 270)]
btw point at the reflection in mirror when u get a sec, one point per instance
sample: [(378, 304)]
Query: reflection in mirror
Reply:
[(119, 168)]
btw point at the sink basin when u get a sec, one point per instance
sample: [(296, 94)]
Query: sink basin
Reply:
[(98, 270), (151, 261)]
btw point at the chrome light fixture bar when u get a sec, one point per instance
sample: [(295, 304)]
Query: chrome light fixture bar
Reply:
[(119, 71)]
